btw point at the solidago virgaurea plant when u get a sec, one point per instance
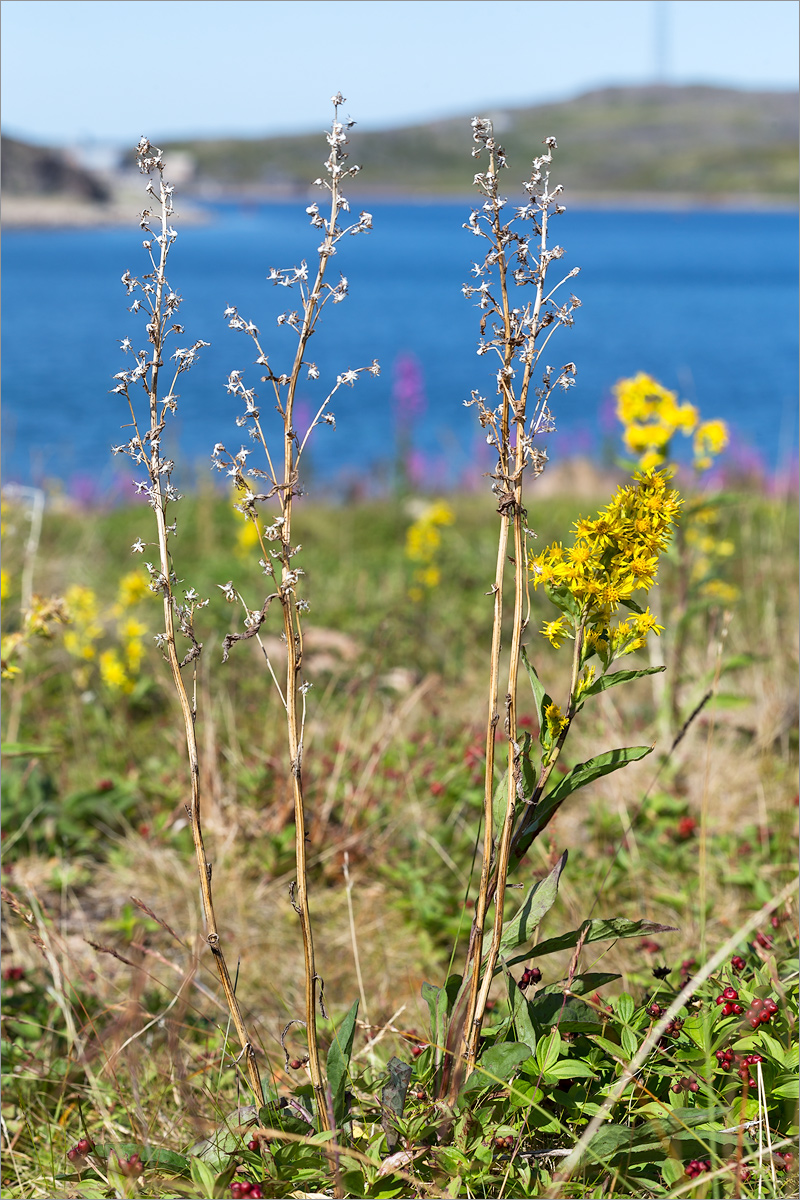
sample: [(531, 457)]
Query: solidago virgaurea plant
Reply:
[(614, 557)]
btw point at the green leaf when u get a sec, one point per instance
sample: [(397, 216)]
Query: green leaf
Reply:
[(607, 681), (540, 696), (438, 1003), (497, 1064), (499, 806), (564, 600), (596, 931), (601, 764), (608, 1047), (786, 1090), (592, 981), (548, 1050), (625, 1008), (569, 1068), (520, 1013), (572, 1014), (538, 902), (338, 1062), (630, 1042), (151, 1156), (393, 1097), (26, 750)]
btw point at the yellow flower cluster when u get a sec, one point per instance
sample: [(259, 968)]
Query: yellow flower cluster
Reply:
[(423, 540), (614, 555), (84, 611), (708, 549), (651, 415), (119, 666), (39, 621), (710, 439)]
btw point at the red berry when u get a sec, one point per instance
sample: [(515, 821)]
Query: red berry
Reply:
[(72, 1154), (756, 1004), (256, 1192), (731, 993), (254, 1145), (686, 827), (655, 1010), (738, 963), (85, 1146), (417, 1050), (296, 1064), (770, 1006), (720, 999)]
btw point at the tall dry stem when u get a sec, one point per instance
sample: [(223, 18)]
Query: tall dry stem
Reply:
[(160, 304), (283, 483), (516, 335)]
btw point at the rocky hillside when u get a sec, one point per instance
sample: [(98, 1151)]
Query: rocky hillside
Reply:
[(40, 171)]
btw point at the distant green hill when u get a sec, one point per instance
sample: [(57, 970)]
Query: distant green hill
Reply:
[(655, 140)]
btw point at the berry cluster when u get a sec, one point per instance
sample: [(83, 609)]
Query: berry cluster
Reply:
[(738, 963), (241, 1187), (529, 975), (687, 1083), (697, 1167), (784, 1160), (13, 974), (726, 1059), (761, 1012), (505, 1143), (728, 999), (130, 1167), (80, 1149)]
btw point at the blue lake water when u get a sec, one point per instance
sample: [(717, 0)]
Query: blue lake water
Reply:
[(705, 301)]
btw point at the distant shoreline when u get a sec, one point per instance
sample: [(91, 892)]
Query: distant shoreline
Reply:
[(61, 213)]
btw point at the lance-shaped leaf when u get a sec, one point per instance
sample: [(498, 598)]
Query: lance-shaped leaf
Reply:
[(338, 1063), (596, 931), (539, 900), (601, 764), (393, 1098), (540, 696), (538, 818), (606, 681)]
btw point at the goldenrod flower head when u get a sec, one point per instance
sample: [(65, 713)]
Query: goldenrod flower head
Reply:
[(555, 719), (423, 539), (133, 587), (710, 439), (113, 674), (651, 415), (555, 631), (613, 556)]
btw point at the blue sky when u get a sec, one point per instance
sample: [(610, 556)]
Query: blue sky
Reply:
[(79, 70)]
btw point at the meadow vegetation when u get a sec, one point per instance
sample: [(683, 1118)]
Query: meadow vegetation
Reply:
[(627, 1025)]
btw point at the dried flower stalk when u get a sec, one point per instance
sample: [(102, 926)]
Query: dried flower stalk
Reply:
[(281, 481), (160, 305)]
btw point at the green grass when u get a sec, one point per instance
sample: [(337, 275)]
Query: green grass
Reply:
[(132, 1051)]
